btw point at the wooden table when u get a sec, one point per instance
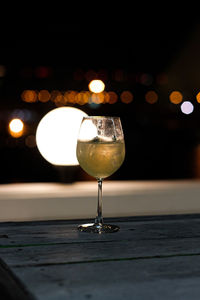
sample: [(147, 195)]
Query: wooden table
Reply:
[(154, 257)]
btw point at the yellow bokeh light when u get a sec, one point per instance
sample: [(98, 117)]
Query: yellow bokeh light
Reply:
[(96, 86), (57, 133), (16, 127), (176, 97), (151, 97)]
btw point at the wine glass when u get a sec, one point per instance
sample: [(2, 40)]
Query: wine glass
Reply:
[(100, 152)]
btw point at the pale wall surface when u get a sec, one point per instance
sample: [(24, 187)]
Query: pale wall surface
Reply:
[(50, 201)]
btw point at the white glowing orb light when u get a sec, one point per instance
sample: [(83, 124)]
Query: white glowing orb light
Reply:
[(187, 107), (96, 86), (88, 131), (56, 135)]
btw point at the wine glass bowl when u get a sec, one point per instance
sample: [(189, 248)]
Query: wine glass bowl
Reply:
[(100, 152)]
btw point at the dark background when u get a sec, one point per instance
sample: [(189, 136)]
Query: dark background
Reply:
[(161, 141)]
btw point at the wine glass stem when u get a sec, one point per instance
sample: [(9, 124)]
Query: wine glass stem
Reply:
[(99, 218)]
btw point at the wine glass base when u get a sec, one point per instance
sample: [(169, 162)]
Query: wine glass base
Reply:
[(98, 228)]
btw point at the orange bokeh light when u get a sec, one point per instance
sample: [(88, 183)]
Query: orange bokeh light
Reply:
[(151, 97), (198, 97), (82, 97), (70, 96), (111, 97), (126, 97), (29, 96), (60, 100), (176, 97), (97, 98), (44, 96)]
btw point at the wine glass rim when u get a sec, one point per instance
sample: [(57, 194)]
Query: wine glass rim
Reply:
[(101, 117)]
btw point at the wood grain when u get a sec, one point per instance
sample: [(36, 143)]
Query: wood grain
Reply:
[(149, 258)]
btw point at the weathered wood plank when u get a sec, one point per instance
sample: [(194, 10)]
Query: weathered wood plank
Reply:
[(149, 258), (90, 251), (167, 278), (11, 288), (37, 233)]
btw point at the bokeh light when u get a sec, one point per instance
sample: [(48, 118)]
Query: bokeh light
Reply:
[(97, 98), (90, 75), (96, 86), (146, 79), (151, 97), (55, 94), (43, 72), (187, 107), (23, 114), (176, 97), (57, 133), (44, 96), (70, 96), (18, 114), (88, 131), (162, 79), (102, 74), (29, 96), (82, 98), (60, 100), (198, 97), (126, 97), (111, 97), (30, 141), (119, 75), (16, 128), (2, 70)]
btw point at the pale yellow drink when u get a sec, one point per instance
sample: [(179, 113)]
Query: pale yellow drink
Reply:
[(100, 159)]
